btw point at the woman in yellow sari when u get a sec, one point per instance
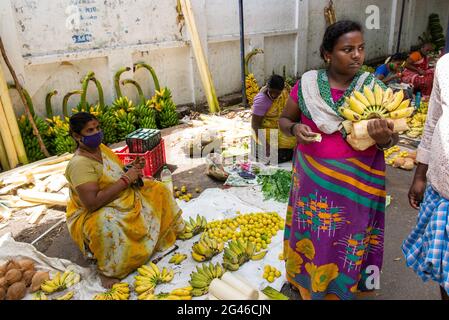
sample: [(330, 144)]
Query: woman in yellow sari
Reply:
[(110, 219), (267, 109)]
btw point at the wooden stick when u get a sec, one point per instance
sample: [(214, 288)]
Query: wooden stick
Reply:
[(43, 197), (27, 107), (7, 139), (37, 213)]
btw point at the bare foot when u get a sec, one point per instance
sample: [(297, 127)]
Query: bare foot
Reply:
[(108, 282)]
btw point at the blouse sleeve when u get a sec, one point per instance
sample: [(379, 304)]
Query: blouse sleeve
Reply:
[(294, 92), (80, 172)]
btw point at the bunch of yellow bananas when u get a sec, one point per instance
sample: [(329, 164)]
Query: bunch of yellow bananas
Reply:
[(193, 227), (119, 291), (68, 296), (177, 294), (61, 282), (376, 104), (206, 249), (149, 277), (417, 122), (239, 252), (252, 88), (203, 276), (178, 258)]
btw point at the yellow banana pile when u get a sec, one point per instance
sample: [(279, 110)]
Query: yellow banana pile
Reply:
[(68, 296), (417, 122), (239, 252), (178, 258), (193, 227), (203, 276), (60, 282), (149, 277), (252, 88), (376, 104), (119, 291), (206, 249), (177, 294)]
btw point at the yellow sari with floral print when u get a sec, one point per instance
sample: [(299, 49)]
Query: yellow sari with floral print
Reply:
[(122, 235)]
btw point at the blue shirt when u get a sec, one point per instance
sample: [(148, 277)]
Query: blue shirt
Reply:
[(383, 69)]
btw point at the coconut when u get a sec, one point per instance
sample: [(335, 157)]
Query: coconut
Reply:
[(26, 264), (2, 294), (17, 291), (38, 278), (13, 276), (11, 264), (3, 283), (28, 276)]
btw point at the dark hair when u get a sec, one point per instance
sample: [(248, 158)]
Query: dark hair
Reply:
[(276, 82), (79, 120), (399, 56), (335, 31)]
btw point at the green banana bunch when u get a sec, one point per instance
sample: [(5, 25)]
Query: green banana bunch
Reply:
[(177, 258), (149, 277), (60, 282), (193, 227), (206, 249), (203, 276), (125, 119), (238, 252), (62, 142), (146, 116), (167, 115), (119, 291), (30, 142)]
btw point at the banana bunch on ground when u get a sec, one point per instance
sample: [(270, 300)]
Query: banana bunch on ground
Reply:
[(149, 277), (177, 294), (30, 142), (68, 296), (252, 88), (60, 282), (62, 142), (178, 258), (238, 252), (163, 103), (193, 227), (146, 115), (376, 104), (206, 249), (203, 276), (125, 119), (417, 122), (119, 291)]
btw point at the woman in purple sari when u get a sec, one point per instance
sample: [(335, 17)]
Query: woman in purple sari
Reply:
[(335, 219)]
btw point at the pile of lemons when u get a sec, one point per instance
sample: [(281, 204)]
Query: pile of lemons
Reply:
[(271, 273)]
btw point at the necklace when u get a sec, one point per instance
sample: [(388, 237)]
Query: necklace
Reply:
[(91, 155)]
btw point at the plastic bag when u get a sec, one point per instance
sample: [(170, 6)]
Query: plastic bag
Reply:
[(215, 169)]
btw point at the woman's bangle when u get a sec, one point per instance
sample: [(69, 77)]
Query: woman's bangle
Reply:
[(385, 147), (292, 128), (126, 180)]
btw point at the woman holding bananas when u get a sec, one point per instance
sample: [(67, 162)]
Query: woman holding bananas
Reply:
[(111, 220), (267, 108), (335, 219)]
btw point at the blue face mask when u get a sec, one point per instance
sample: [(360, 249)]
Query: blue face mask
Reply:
[(93, 141)]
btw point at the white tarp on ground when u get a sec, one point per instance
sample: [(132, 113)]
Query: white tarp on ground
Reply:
[(214, 204)]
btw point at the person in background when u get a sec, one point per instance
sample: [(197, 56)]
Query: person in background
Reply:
[(112, 221), (267, 108), (390, 71), (426, 249), (335, 217), (417, 71)]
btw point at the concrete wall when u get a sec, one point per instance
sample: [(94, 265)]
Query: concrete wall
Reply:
[(49, 50)]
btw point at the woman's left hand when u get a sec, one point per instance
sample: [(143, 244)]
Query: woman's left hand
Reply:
[(381, 130), (139, 162)]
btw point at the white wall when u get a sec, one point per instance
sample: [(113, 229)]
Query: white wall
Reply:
[(46, 56)]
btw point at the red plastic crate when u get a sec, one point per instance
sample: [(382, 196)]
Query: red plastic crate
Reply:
[(155, 159)]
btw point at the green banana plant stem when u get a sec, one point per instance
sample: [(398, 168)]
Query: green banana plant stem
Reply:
[(65, 101), (139, 65), (248, 57), (48, 106), (117, 76), (138, 87), (100, 92), (85, 83), (27, 97)]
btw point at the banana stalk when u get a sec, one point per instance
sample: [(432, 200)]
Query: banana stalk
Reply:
[(27, 97), (117, 76), (85, 83), (139, 65), (65, 101), (138, 87), (203, 68), (100, 92), (48, 106), (248, 58), (11, 117)]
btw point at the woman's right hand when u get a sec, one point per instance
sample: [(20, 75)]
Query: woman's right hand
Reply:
[(133, 174), (416, 192), (304, 134)]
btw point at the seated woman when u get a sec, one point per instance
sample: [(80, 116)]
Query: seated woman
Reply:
[(267, 109), (390, 71), (417, 72), (112, 221)]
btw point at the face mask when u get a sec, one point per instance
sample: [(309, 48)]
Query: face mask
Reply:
[(93, 141)]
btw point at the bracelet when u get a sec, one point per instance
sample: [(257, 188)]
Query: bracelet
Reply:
[(385, 147), (292, 127), (126, 179)]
